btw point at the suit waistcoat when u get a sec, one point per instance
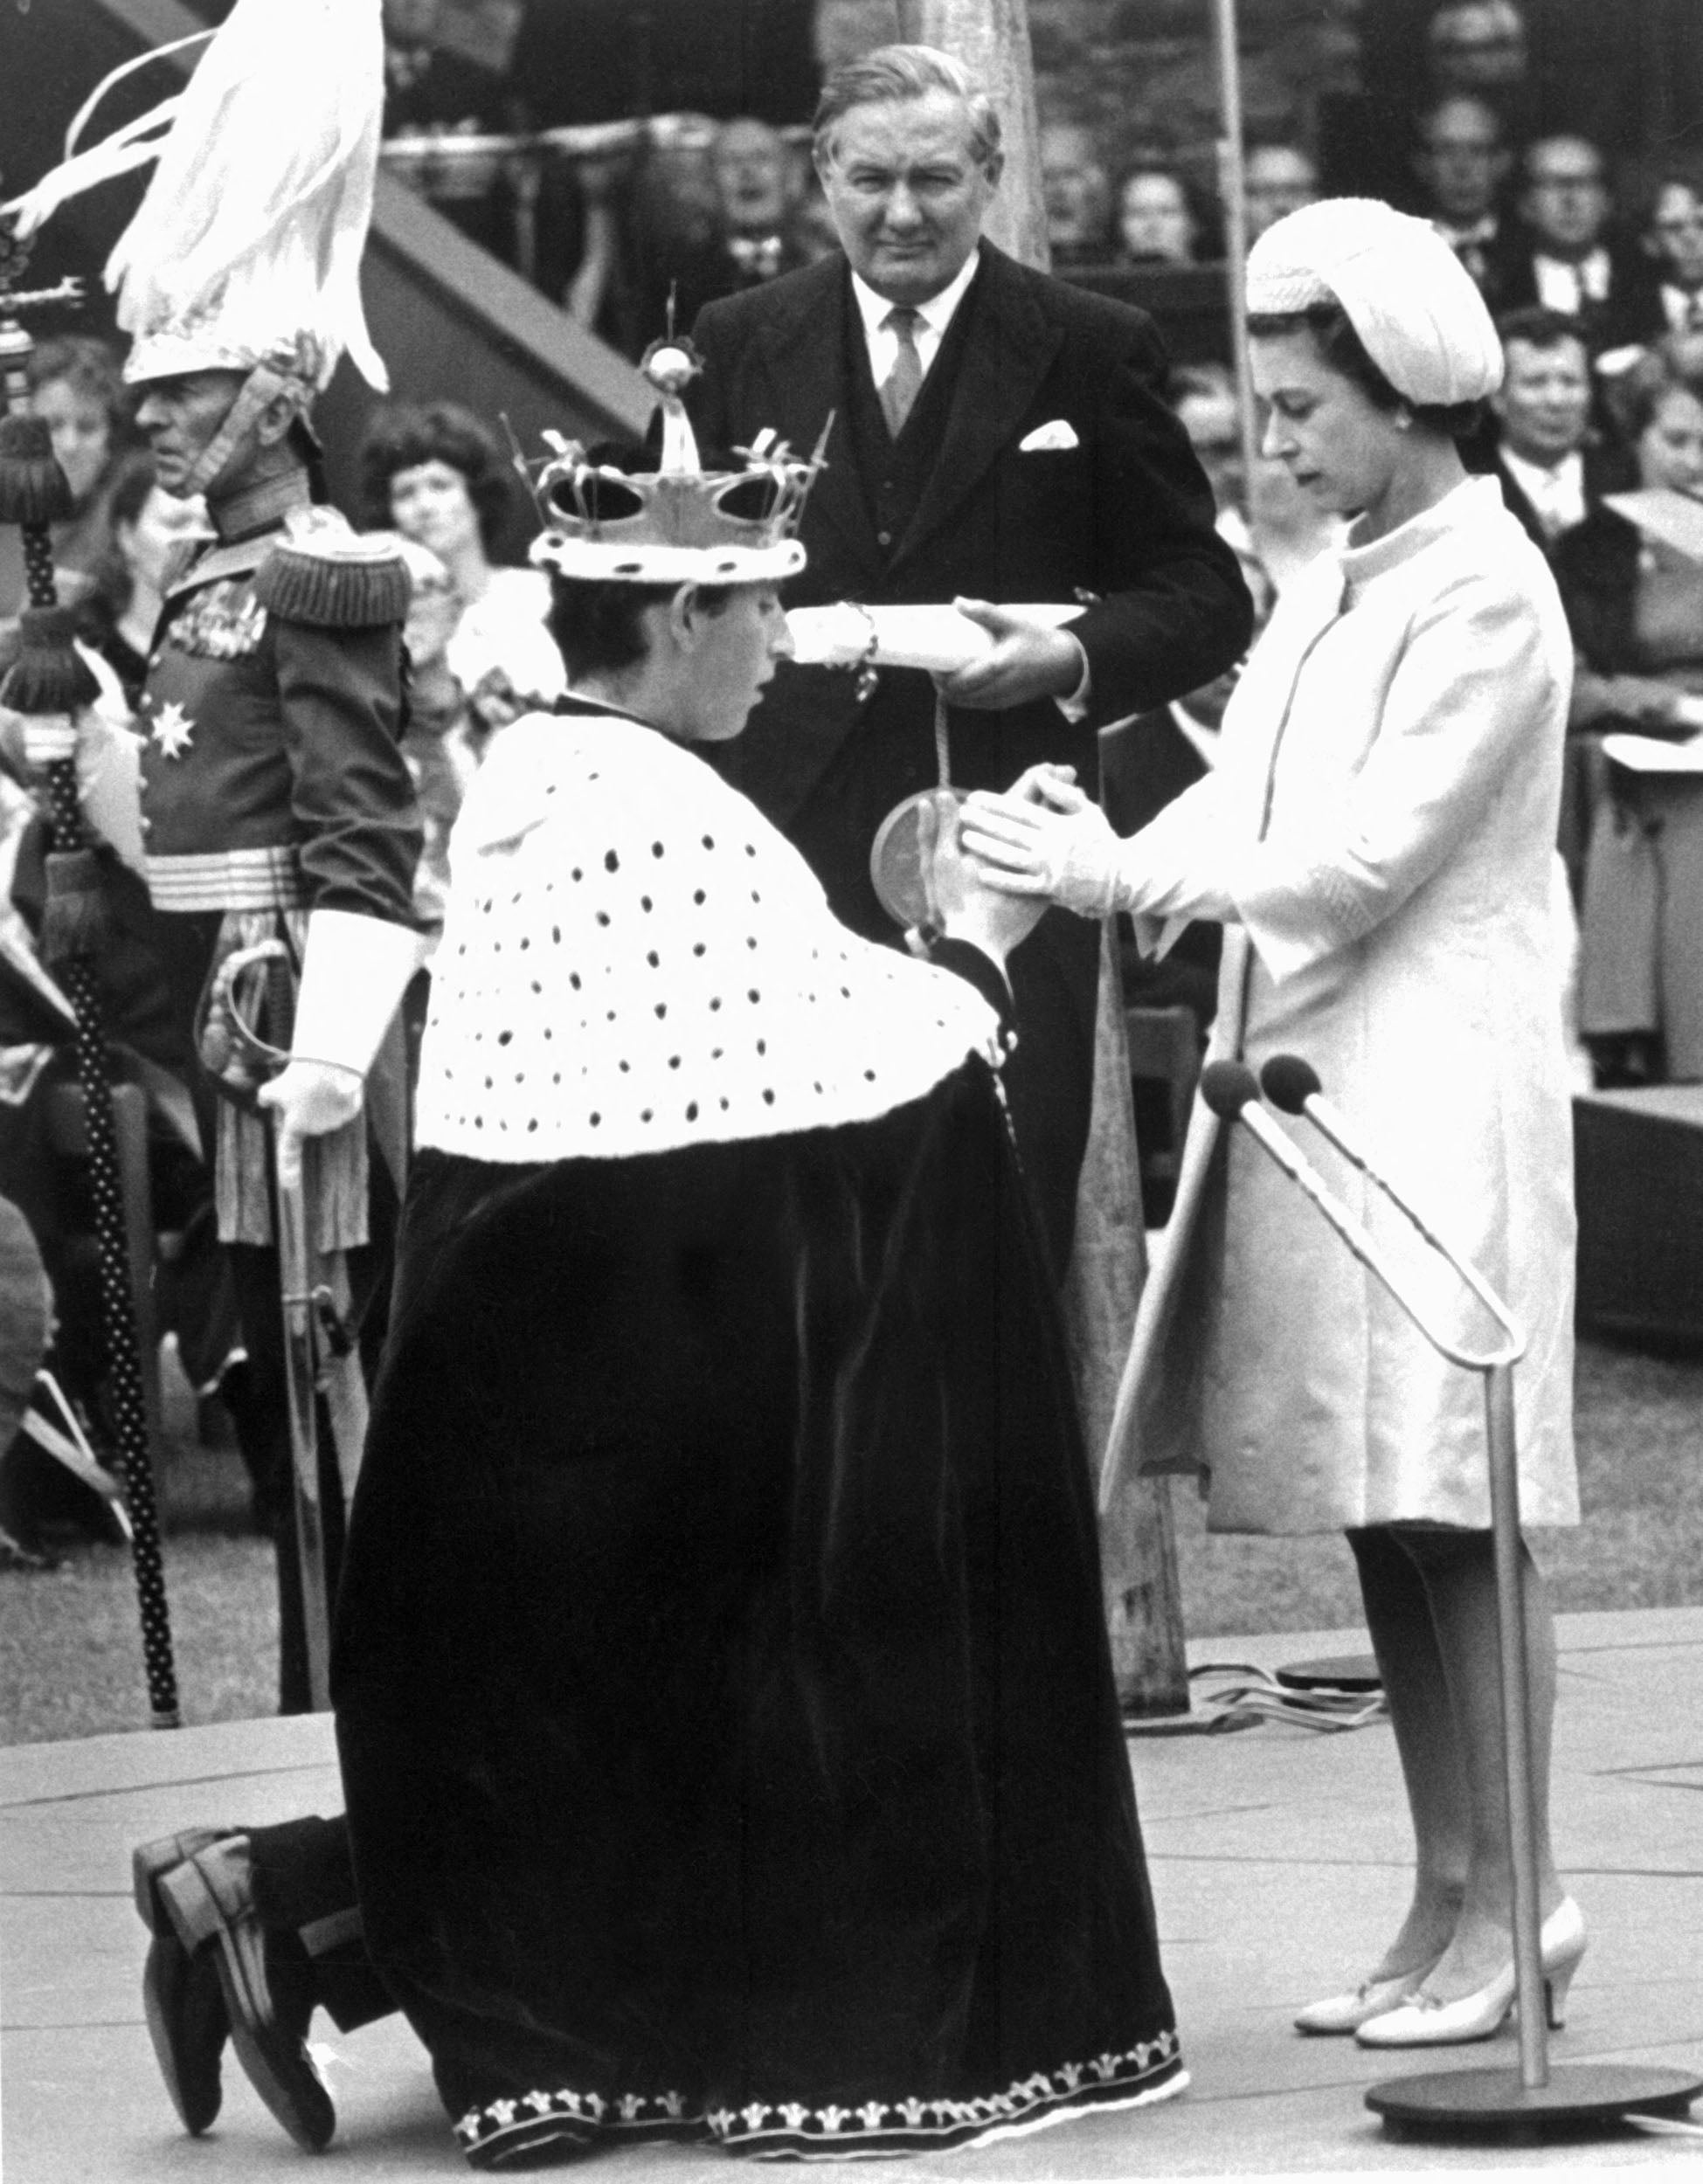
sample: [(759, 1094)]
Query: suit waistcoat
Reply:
[(894, 472)]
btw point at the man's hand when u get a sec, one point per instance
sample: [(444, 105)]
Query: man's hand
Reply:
[(309, 1098), (961, 903), (1029, 661), (1044, 838)]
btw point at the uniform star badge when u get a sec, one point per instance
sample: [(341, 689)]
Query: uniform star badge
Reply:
[(172, 729)]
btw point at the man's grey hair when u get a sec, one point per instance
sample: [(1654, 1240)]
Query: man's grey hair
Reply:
[(894, 73)]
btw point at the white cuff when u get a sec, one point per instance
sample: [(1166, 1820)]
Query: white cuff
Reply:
[(353, 975), (1074, 708)]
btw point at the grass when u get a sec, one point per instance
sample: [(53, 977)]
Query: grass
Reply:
[(70, 1658)]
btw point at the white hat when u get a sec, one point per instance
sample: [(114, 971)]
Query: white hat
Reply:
[(247, 249), (1418, 314)]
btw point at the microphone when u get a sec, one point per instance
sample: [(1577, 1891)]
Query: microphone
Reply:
[(1231, 1091), (1289, 1082)]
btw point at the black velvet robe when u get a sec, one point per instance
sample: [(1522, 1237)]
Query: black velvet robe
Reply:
[(723, 1693)]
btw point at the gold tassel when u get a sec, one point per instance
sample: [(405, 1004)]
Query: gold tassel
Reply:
[(33, 488), (49, 676)]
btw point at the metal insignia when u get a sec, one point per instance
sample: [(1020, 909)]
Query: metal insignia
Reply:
[(223, 622)]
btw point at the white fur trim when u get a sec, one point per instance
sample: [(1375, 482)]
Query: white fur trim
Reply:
[(634, 959)]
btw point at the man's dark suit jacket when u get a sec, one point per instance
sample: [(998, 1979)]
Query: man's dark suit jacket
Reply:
[(1607, 470), (1630, 312), (1604, 540), (1126, 515)]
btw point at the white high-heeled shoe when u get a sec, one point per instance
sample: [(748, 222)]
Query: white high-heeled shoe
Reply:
[(1372, 1998), (1423, 2021)]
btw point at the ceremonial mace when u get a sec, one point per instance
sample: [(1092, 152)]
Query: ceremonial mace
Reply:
[(1533, 2099), (49, 684)]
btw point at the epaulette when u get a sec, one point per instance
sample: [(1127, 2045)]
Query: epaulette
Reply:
[(322, 572)]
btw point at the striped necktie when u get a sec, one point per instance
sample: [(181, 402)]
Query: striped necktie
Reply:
[(902, 385)]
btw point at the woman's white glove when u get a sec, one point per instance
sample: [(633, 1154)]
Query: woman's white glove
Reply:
[(1045, 837)]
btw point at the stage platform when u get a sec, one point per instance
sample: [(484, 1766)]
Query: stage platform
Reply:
[(1279, 1859), (1637, 1161)]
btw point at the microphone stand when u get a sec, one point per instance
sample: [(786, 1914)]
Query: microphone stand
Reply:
[(1499, 2101)]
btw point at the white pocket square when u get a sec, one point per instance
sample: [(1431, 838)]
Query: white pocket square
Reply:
[(1046, 438)]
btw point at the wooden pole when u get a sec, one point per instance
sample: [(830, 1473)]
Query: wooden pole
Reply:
[(1233, 190), (1138, 1545), (992, 39)]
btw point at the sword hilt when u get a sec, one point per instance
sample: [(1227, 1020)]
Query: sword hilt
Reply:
[(229, 1047)]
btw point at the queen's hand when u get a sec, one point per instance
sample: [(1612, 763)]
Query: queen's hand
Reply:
[(962, 904), (1043, 837)]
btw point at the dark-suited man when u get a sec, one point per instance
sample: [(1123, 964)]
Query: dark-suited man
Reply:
[(999, 436)]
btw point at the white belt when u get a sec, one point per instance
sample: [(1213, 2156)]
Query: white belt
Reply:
[(228, 879)]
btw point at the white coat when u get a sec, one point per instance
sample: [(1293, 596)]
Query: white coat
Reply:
[(1378, 837)]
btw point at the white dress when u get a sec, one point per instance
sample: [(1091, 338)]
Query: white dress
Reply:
[(1379, 838)]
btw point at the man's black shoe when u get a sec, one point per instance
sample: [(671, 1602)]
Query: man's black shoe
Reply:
[(180, 1991), (210, 1899)]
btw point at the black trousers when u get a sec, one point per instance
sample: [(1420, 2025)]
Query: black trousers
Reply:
[(304, 1879)]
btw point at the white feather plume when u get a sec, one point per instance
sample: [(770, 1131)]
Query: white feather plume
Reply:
[(247, 245)]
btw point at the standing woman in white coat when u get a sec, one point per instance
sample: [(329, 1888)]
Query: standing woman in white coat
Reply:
[(1376, 841)]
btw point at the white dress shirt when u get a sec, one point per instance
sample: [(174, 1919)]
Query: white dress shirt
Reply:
[(1683, 307), (1557, 491), (933, 318), (1566, 284)]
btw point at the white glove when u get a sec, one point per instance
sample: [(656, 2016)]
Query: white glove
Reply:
[(1061, 846), (309, 1099)]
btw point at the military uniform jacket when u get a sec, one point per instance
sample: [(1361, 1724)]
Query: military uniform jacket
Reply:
[(271, 775)]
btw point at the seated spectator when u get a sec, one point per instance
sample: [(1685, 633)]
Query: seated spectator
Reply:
[(1157, 225), (1567, 258), (1478, 46), (1461, 163), (147, 525), (436, 474), (757, 184), (1076, 194), (1637, 611), (75, 385), (435, 79), (1553, 469), (1673, 236), (1276, 179)]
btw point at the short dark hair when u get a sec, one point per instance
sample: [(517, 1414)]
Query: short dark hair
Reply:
[(1540, 328), (597, 622), (405, 434), (1343, 351)]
